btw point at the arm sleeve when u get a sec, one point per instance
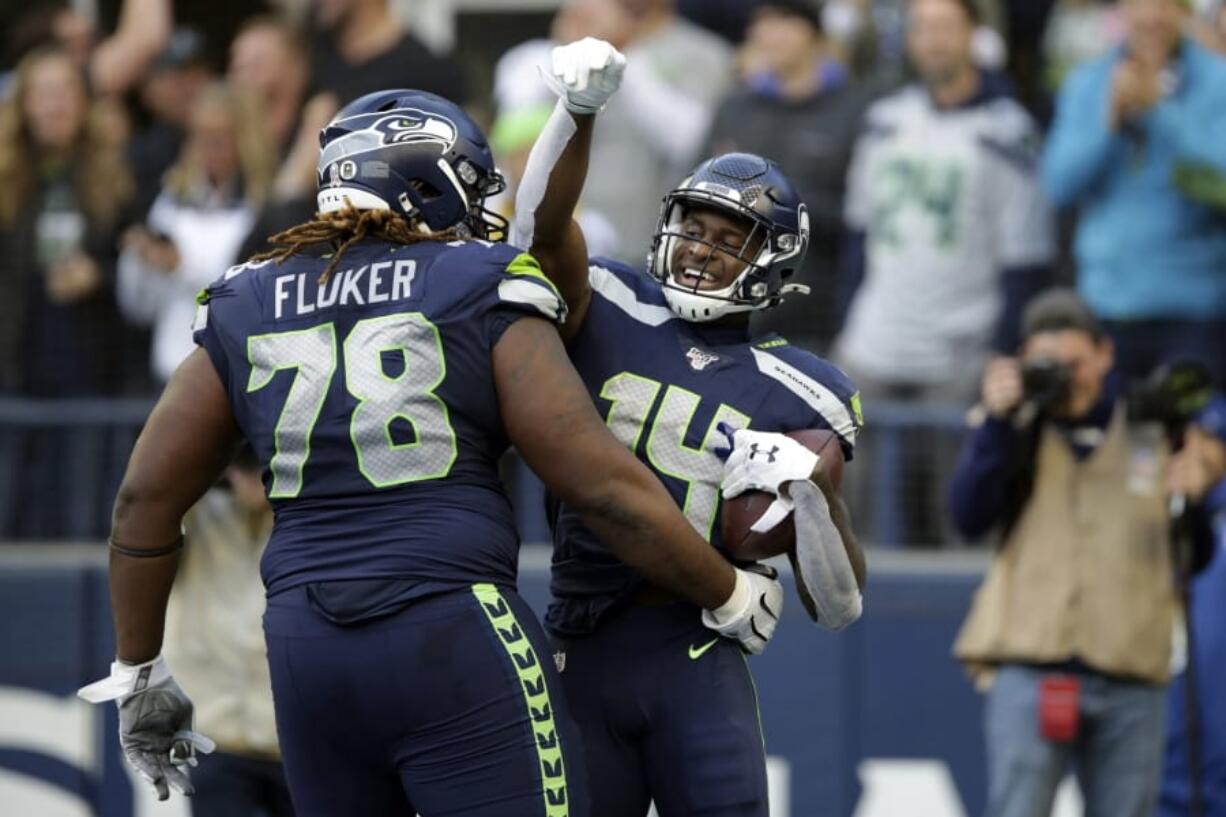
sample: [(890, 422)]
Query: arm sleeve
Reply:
[(1082, 147), (559, 129), (979, 488)]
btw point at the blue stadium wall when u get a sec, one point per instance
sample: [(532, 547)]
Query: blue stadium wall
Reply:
[(854, 722)]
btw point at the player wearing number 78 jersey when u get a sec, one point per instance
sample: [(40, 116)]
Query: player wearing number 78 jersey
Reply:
[(666, 708), (379, 384)]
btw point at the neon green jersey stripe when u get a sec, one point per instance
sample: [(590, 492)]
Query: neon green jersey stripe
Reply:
[(536, 696)]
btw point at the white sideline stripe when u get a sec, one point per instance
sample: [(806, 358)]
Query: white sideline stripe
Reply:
[(60, 727), (26, 795), (820, 399), (614, 290)]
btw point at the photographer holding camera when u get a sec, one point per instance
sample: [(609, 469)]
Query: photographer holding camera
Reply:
[(1071, 629)]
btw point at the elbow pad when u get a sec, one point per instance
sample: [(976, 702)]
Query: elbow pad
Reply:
[(823, 571)]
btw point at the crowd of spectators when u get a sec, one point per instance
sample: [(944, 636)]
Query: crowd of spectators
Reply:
[(955, 155)]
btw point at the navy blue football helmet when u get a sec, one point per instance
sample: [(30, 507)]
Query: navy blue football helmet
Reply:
[(756, 191), (414, 153)]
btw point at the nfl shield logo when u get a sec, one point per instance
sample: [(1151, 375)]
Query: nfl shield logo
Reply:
[(699, 359), (559, 660)]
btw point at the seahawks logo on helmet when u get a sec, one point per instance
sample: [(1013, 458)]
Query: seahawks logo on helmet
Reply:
[(405, 126), (411, 125)]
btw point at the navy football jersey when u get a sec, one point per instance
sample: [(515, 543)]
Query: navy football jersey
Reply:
[(370, 401), (663, 385)]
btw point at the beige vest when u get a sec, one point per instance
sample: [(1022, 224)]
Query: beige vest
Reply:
[(214, 631), (1086, 571)]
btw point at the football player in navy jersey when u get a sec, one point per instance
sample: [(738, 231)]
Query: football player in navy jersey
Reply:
[(666, 708), (379, 384)]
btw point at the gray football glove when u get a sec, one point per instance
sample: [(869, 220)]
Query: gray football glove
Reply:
[(155, 723)]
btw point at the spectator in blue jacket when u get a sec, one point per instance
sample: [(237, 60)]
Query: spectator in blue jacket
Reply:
[(1200, 471), (1138, 148)]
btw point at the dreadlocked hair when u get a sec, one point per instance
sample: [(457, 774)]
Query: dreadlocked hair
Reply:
[(342, 228)]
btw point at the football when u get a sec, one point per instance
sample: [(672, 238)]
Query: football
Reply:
[(739, 514)]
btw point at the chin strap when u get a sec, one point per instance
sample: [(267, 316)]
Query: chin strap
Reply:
[(823, 571), (799, 289)]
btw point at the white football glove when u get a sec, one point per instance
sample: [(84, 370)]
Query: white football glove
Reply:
[(765, 461), (585, 74), (752, 611), (155, 723)]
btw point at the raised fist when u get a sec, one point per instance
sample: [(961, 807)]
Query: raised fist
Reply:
[(585, 74)]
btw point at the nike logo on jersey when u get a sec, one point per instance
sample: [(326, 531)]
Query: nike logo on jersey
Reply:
[(698, 652)]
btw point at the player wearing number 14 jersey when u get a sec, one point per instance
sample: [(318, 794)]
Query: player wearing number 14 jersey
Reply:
[(379, 384), (666, 708)]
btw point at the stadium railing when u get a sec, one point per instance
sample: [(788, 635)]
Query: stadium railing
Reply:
[(61, 462)]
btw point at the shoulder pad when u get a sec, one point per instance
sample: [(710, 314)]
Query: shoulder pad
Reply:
[(819, 383)]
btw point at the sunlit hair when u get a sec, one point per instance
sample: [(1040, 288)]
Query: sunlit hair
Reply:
[(344, 227), (101, 178), (256, 159)]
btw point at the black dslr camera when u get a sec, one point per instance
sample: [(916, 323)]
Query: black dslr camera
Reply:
[(1046, 383), (1172, 395)]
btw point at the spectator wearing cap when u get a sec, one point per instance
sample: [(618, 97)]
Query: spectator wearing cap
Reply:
[(166, 93), (1071, 630), (1199, 473), (1137, 148), (797, 106)]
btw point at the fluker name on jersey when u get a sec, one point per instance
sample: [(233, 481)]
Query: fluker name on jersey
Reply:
[(374, 283)]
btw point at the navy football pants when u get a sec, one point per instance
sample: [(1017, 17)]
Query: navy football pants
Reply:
[(239, 786), (667, 712), (445, 708)]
